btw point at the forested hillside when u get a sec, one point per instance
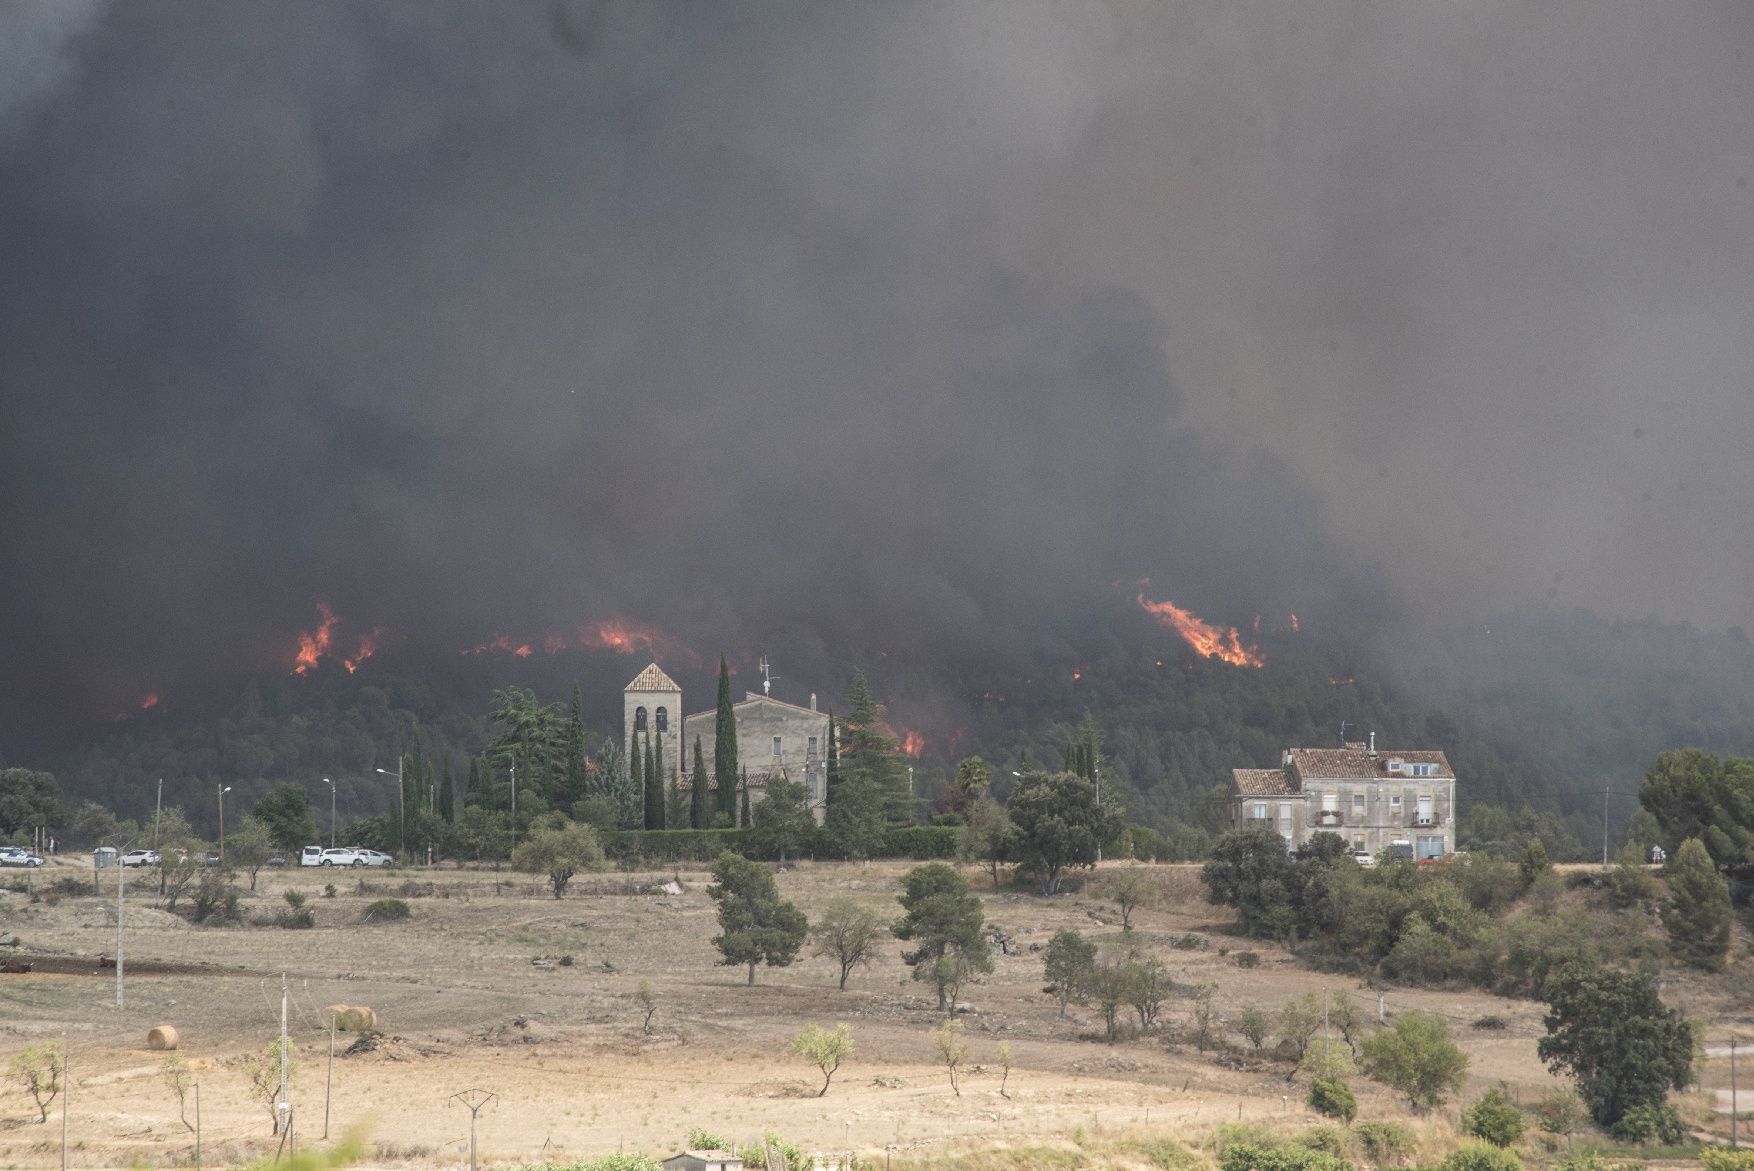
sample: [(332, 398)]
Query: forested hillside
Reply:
[(1540, 713)]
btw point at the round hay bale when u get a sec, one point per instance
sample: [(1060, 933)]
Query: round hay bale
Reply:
[(163, 1037), (361, 1019), (336, 1015)]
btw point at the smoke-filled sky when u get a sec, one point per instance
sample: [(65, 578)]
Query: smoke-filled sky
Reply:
[(902, 325)]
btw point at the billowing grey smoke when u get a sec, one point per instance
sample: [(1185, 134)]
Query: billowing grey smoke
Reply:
[(908, 326)]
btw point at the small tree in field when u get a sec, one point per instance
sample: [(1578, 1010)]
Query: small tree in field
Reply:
[(262, 1071), (1698, 912), (848, 932), (1494, 1118), (648, 1003), (1130, 888), (1254, 1024), (559, 848), (1067, 963), (943, 921), (1004, 1059), (175, 1072), (757, 926), (1416, 1057), (951, 1049), (825, 1049), (38, 1069)]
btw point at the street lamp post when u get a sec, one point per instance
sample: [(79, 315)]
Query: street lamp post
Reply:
[(331, 785), (401, 802), (223, 790)]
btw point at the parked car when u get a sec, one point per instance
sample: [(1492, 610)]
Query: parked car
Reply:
[(340, 856), (1364, 858), (311, 856), (19, 856), (277, 859), (373, 857), (140, 858)]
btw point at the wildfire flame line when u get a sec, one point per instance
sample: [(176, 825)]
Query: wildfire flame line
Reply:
[(621, 635), (314, 644), (1204, 637)]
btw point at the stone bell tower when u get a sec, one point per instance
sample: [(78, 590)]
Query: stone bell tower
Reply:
[(651, 708)]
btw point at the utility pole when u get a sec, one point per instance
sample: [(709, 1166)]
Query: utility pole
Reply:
[(474, 1100), (197, 1126), (66, 1090), (331, 785), (1605, 793), (157, 813), (329, 1078), (283, 1107), (1734, 1105), (121, 906)]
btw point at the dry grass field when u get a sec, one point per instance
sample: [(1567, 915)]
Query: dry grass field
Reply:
[(462, 1003)]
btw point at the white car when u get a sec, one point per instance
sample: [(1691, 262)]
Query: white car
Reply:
[(373, 857), (140, 858), (340, 856), (19, 856)]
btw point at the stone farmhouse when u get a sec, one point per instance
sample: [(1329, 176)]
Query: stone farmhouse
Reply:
[(773, 737), (1401, 801)]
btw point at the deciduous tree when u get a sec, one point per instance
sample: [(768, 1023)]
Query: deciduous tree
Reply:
[(1416, 1057), (559, 848), (1060, 823), (37, 1069), (1067, 963), (1611, 1031), (825, 1049), (781, 821), (848, 932), (286, 811)]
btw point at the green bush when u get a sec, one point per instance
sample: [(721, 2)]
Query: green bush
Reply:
[(672, 845), (1650, 1122), (706, 1140), (1383, 1143), (297, 916), (386, 911), (620, 1161), (922, 843), (1480, 1157), (1324, 1138), (1494, 1118), (1725, 1159), (1248, 959), (1333, 1098), (1251, 1157)]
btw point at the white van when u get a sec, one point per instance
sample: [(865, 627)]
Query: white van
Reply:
[(311, 856)]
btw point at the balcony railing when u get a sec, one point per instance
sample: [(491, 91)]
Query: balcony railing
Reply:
[(1426, 820), (1329, 818)]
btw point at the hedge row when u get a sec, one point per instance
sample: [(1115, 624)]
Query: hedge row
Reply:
[(918, 842)]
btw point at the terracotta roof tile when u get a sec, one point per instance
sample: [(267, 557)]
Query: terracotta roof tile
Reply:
[(1262, 782), (1341, 763), (652, 679)]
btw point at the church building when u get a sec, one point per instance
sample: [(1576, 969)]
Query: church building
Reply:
[(773, 737)]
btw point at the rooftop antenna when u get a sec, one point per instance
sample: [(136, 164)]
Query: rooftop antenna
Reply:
[(1344, 724), (767, 677)]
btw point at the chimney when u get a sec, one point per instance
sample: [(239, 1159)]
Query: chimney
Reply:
[(1373, 746), (812, 701)]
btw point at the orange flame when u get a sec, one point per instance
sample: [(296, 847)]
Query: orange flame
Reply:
[(1295, 627), (150, 702), (912, 743), (314, 644), (368, 646), (501, 642), (1203, 636)]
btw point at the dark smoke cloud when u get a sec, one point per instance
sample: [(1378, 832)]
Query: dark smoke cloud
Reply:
[(901, 327)]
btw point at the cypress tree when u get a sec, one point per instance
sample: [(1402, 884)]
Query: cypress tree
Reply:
[(745, 822), (413, 772), (654, 784), (479, 793), (447, 793), (699, 812), (573, 787), (636, 773), (831, 765), (1698, 914), (725, 744)]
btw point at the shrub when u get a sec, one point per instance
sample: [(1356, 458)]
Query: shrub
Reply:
[(1648, 1121), (1256, 1157), (1383, 1143), (1480, 1157), (1494, 1118), (1495, 1024), (1416, 1057), (1333, 1099), (1724, 1159), (706, 1140), (215, 901), (620, 1161), (1323, 1138), (386, 911), (297, 916), (1248, 959)]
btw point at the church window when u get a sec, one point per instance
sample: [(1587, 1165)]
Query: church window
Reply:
[(776, 746), (812, 746), (639, 719), (663, 720)]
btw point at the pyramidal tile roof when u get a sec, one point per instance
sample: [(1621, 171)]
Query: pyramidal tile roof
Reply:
[(652, 679)]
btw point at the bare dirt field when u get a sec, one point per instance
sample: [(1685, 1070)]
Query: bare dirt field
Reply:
[(462, 1002)]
